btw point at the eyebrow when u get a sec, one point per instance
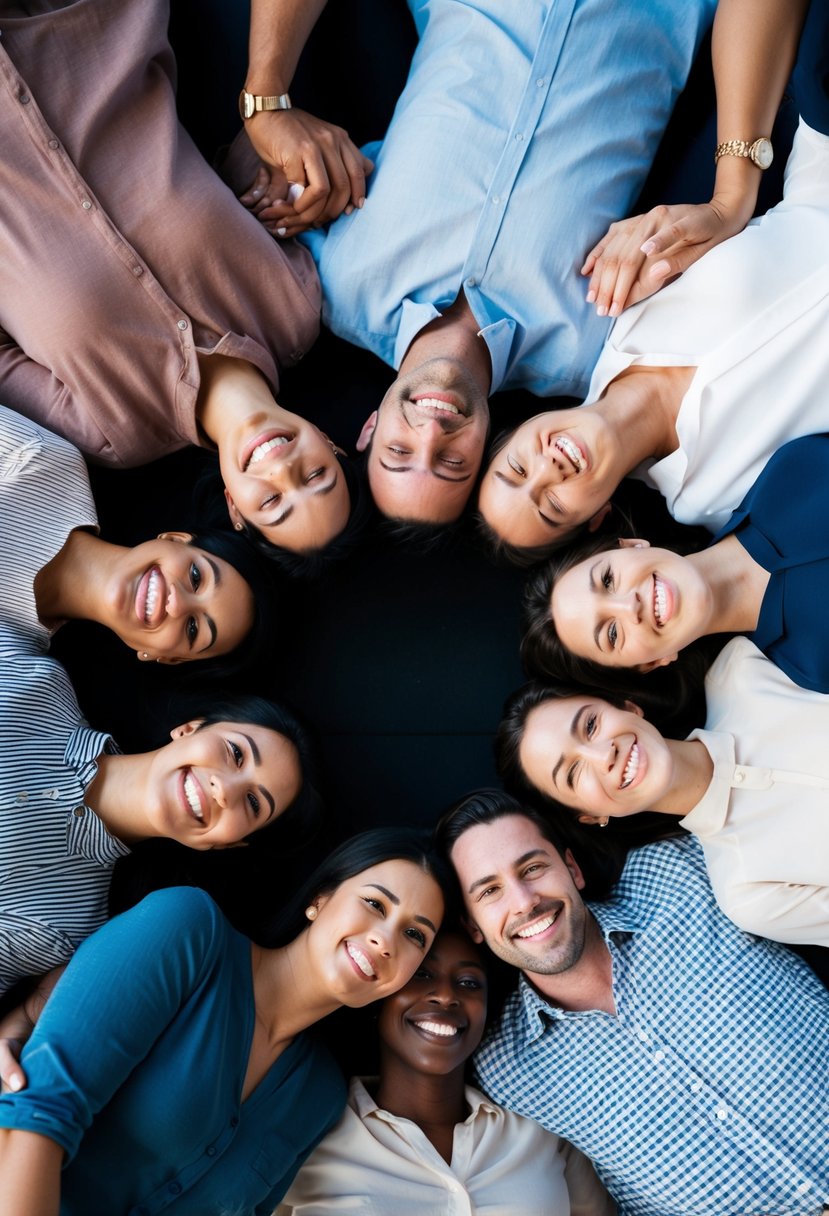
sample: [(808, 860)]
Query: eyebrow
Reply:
[(551, 523), (407, 468), (597, 632), (519, 861), (574, 726), (257, 760), (326, 489), (423, 920)]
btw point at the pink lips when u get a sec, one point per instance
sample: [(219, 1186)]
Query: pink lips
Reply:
[(351, 948), (188, 781), (264, 436), (156, 615)]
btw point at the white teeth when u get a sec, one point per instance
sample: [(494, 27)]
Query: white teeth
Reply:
[(152, 595), (660, 599), (435, 403), (573, 454), (538, 927), (631, 767), (440, 1028), (360, 959), (262, 449), (192, 795)]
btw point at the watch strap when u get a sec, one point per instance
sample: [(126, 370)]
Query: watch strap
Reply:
[(254, 103)]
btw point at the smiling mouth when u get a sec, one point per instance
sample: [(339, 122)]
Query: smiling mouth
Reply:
[(631, 767), (150, 598), (571, 452), (660, 601), (443, 1030), (361, 961), (537, 927), (437, 403), (263, 446), (192, 794)]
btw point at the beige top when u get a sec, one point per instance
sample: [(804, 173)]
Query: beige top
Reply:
[(764, 820), (376, 1164), (124, 255)]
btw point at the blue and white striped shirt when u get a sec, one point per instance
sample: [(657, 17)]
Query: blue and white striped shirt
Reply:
[(56, 856), (708, 1092)]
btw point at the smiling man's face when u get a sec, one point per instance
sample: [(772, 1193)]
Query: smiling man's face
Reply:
[(426, 442), (522, 897)]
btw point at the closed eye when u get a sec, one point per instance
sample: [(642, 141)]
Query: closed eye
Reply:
[(314, 474), (515, 466)]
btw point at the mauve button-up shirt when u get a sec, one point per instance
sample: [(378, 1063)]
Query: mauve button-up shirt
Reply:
[(123, 253)]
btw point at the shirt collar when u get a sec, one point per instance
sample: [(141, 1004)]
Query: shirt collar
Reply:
[(86, 834), (709, 815), (364, 1104)]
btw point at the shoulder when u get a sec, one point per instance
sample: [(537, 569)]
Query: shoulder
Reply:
[(176, 920), (663, 873), (26, 449)]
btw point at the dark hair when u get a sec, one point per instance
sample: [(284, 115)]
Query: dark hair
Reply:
[(630, 830), (352, 857), (300, 821), (258, 643), (672, 694)]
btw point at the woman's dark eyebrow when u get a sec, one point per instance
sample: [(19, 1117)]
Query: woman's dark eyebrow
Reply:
[(574, 727), (211, 625), (257, 760), (423, 920)]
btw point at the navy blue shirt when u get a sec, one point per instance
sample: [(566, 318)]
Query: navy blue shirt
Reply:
[(783, 523), (136, 1068)]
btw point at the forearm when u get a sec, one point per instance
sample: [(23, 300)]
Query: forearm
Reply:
[(279, 30), (754, 45), (26, 386), (29, 1173)]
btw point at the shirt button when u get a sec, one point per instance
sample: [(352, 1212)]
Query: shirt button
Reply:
[(472, 282), (659, 1055), (495, 200), (174, 1188), (696, 1086), (79, 811), (297, 355), (642, 1036), (234, 1122), (211, 1150), (53, 143), (137, 270), (541, 82), (739, 775), (23, 98), (519, 135), (182, 324), (86, 204), (722, 1113), (804, 1188), (22, 796)]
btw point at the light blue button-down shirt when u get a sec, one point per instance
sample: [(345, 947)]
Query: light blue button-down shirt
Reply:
[(708, 1092), (524, 130)]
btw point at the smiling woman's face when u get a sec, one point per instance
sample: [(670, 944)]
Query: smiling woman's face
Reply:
[(631, 607), (595, 758), (169, 600), (282, 477), (436, 1021)]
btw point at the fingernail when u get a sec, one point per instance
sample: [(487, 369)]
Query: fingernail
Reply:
[(601, 310), (590, 297), (282, 232), (294, 191), (614, 310), (257, 192), (648, 248), (361, 202), (15, 1083), (349, 209), (660, 269)]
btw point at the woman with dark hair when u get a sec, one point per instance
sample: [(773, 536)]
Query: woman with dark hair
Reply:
[(75, 804), (419, 1133), (753, 785), (174, 1046), (150, 310), (765, 574), (169, 599)]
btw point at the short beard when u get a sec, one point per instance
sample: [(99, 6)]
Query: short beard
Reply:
[(562, 956)]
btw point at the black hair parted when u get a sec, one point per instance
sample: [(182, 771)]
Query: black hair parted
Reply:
[(349, 859)]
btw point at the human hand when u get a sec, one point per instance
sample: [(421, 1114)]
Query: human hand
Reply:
[(642, 254), (16, 1028), (299, 149)]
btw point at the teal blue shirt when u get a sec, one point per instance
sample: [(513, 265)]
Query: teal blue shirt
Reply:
[(137, 1064)]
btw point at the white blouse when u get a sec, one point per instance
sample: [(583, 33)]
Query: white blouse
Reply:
[(764, 820), (376, 1164), (752, 316)]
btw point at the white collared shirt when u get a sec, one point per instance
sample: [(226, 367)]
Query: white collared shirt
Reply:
[(377, 1164), (764, 820)]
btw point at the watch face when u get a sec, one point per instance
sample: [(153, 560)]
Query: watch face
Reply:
[(247, 105), (761, 153)]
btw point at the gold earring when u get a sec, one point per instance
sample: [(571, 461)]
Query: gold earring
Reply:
[(311, 912), (239, 527)]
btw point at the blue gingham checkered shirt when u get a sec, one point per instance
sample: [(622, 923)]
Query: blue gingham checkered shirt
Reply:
[(708, 1093)]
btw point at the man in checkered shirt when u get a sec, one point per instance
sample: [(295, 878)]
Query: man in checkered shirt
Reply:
[(688, 1059)]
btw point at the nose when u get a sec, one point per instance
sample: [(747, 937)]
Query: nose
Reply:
[(178, 601), (626, 604), (381, 940), (443, 994), (218, 790), (542, 474)]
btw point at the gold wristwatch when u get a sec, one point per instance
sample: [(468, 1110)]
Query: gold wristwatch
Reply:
[(758, 150), (252, 103)]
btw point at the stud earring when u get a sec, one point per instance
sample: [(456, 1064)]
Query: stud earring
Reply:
[(239, 527), (144, 654), (311, 912), (604, 822)]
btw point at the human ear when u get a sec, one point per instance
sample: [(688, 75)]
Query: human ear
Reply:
[(236, 516), (633, 708), (186, 729), (575, 869), (596, 521), (364, 438), (633, 542), (473, 930), (652, 664), (182, 538)]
